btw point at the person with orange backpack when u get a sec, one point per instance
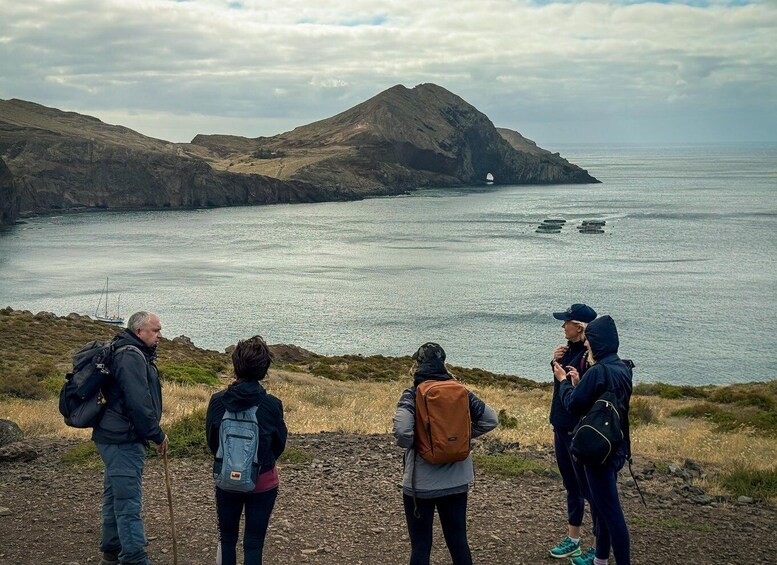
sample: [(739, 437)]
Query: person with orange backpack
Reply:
[(435, 421)]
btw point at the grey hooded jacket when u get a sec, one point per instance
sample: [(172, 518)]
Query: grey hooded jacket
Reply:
[(432, 481)]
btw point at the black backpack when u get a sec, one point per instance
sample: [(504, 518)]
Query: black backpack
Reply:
[(81, 400), (600, 432)]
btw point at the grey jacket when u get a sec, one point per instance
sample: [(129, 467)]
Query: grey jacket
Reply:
[(432, 481), (133, 394)]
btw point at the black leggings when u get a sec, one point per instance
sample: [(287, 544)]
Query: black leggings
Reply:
[(453, 518), (229, 507)]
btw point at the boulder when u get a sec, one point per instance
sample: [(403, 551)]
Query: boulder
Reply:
[(10, 432)]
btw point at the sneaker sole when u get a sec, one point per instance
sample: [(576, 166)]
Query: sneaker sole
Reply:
[(572, 554)]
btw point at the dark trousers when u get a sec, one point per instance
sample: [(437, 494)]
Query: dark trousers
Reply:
[(601, 491), (453, 518), (229, 507), (570, 472)]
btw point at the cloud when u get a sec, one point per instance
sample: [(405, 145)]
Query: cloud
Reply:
[(530, 65)]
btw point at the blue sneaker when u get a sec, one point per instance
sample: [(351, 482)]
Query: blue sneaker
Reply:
[(586, 558), (567, 548)]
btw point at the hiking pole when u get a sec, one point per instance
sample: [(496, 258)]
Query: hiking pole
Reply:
[(170, 504)]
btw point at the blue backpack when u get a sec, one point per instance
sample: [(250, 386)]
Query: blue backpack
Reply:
[(237, 460)]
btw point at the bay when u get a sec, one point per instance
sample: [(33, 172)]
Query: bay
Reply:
[(686, 267)]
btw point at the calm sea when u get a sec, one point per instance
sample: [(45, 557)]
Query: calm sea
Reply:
[(686, 267)]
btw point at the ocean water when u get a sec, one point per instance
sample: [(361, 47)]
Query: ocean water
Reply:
[(686, 267)]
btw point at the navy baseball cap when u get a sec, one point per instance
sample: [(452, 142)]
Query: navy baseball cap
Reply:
[(577, 312)]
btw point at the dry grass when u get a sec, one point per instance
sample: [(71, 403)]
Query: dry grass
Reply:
[(313, 404)]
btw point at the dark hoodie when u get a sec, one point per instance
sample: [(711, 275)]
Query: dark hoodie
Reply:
[(602, 336), (241, 395), (133, 395)]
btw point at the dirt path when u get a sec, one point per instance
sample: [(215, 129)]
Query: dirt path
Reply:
[(345, 507)]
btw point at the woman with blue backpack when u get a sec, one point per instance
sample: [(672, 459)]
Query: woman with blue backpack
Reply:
[(246, 433), (608, 378)]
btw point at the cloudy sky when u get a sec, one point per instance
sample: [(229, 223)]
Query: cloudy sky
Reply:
[(557, 71)]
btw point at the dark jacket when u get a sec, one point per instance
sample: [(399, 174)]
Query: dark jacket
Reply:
[(239, 396), (575, 355), (602, 336), (133, 394)]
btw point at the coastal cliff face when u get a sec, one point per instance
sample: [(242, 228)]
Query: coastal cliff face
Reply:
[(399, 140), (65, 161), (9, 196)]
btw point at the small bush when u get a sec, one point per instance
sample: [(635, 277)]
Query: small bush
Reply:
[(744, 397), (189, 374), (295, 456), (728, 420), (746, 481), (640, 412), (187, 436), (83, 455), (508, 465), (507, 421), (35, 383), (672, 392)]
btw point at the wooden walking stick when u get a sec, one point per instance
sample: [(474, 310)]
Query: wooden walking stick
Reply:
[(170, 504)]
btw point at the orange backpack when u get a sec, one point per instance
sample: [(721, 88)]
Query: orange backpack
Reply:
[(442, 422)]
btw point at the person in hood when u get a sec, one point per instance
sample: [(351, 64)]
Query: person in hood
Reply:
[(129, 424), (572, 356), (426, 486), (251, 359), (607, 372)]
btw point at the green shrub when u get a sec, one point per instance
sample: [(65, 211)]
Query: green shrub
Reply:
[(83, 455), (746, 481), (640, 412), (728, 419), (189, 374), (187, 436), (37, 382), (295, 456), (672, 392), (507, 421), (745, 397), (508, 465)]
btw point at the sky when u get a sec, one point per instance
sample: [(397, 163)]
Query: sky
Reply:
[(564, 71)]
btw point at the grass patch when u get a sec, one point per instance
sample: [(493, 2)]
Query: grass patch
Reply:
[(641, 412), (295, 456), (507, 421), (191, 373), (747, 481), (671, 392), (187, 436), (672, 524), (731, 418), (83, 455), (508, 465)]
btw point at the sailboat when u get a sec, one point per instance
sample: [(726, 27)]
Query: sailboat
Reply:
[(103, 316)]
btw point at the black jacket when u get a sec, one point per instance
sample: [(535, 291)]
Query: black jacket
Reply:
[(239, 396), (133, 394), (603, 337), (575, 355)]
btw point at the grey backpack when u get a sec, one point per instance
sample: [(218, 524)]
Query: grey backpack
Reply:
[(237, 461)]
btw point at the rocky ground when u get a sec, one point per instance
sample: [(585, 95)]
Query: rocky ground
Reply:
[(344, 507)]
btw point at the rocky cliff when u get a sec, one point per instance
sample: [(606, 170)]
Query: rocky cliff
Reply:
[(66, 161), (9, 196), (399, 140)]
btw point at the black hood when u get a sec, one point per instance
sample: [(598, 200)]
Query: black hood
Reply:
[(602, 336), (243, 394), (126, 337)]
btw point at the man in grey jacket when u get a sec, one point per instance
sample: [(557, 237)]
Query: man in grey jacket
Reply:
[(427, 486), (130, 422)]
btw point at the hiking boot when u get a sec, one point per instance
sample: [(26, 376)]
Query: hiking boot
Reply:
[(567, 548), (109, 559), (586, 558)]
